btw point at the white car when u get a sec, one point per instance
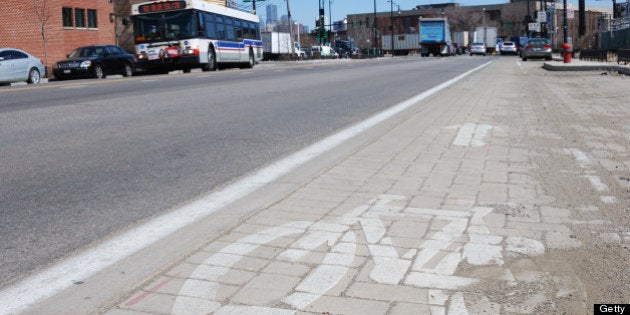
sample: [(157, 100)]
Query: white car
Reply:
[(17, 65), (477, 49), (508, 48), (326, 52)]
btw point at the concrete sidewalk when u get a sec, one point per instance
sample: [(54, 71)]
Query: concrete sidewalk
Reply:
[(585, 65), (451, 207)]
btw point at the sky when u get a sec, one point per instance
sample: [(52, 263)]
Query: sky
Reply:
[(305, 11)]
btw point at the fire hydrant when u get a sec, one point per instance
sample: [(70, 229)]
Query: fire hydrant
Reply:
[(567, 51)]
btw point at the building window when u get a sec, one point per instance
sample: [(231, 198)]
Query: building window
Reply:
[(66, 15), (79, 17), (91, 14)]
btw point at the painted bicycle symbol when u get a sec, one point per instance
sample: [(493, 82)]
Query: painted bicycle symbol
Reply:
[(463, 237)]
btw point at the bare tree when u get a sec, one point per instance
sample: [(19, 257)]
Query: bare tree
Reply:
[(43, 14)]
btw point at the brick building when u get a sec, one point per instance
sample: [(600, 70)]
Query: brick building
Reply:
[(65, 24)]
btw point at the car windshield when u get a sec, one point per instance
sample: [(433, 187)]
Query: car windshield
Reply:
[(477, 44), (87, 52)]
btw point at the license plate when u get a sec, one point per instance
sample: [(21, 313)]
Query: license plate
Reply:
[(66, 71)]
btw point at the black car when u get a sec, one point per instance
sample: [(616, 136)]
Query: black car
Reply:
[(95, 61)]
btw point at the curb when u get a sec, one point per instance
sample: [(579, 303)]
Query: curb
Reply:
[(569, 67)]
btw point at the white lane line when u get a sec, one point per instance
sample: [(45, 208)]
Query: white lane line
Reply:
[(62, 275)]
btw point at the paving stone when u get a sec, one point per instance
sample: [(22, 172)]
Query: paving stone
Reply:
[(287, 268), (388, 293), (561, 240), (340, 305), (403, 308)]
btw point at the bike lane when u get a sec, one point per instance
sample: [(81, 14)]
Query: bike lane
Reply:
[(416, 222)]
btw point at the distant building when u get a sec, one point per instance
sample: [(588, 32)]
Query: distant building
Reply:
[(272, 14)]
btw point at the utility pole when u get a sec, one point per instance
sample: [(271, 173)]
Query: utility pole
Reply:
[(290, 29)]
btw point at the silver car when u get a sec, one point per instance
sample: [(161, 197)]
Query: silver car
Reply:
[(17, 65), (477, 49), (536, 48), (508, 48)]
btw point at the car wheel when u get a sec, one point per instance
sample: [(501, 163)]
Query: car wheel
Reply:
[(524, 59), (186, 70), (212, 61), (33, 76), (127, 71), (98, 72)]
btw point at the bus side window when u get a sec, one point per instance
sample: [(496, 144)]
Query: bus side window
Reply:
[(239, 30), (210, 26), (201, 29), (220, 28), (229, 29), (255, 30)]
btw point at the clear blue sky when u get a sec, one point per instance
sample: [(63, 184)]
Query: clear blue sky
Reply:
[(305, 11)]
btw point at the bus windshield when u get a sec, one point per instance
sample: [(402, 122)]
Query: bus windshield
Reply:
[(165, 26)]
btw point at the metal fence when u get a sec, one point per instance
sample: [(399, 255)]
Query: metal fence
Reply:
[(594, 54), (623, 55)]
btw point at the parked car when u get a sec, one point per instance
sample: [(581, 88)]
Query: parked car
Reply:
[(95, 61), (508, 48), (17, 65), (324, 52), (536, 48), (477, 48)]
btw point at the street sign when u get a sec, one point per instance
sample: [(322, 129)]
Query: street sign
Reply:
[(541, 17), (533, 27)]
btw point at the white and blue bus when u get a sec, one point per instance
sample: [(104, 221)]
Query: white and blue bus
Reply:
[(186, 34)]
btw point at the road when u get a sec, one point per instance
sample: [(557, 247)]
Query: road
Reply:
[(86, 159), (447, 186)]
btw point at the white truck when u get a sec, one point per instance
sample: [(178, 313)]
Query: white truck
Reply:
[(486, 35), (277, 45)]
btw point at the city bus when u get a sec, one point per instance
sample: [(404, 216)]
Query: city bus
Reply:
[(185, 34)]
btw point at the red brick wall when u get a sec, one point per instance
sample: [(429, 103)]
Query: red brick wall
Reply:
[(21, 28)]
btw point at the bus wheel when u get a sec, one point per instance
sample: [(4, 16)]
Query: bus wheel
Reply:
[(212, 61), (251, 62)]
